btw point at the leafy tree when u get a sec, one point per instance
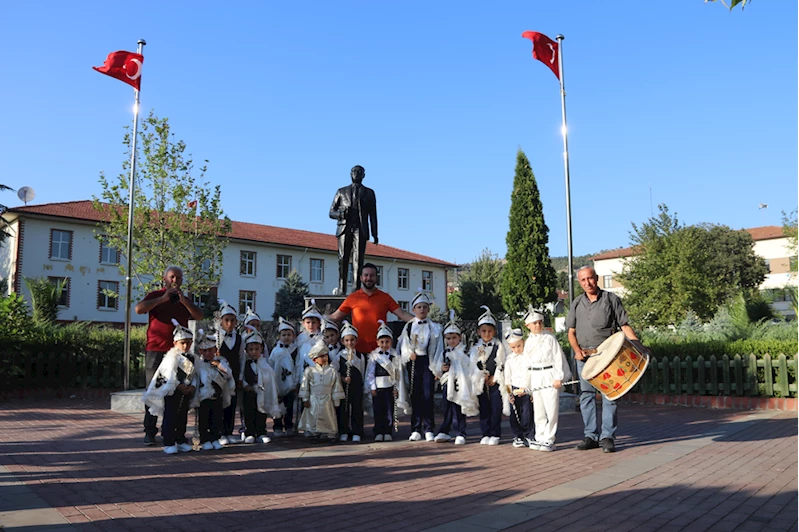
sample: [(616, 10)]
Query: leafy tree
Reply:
[(480, 286), (528, 277), (290, 299), (678, 268), (178, 218), (44, 298), (732, 3), (4, 234)]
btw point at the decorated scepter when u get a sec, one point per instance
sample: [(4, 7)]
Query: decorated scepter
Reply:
[(414, 343), (513, 404), (347, 388)]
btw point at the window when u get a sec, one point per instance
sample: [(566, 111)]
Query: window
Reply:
[(403, 275), (380, 276), (768, 265), (63, 301), (107, 295), (283, 266), (60, 244), (202, 300), (317, 270), (108, 255), (246, 299), (403, 305), (427, 281), (607, 281), (247, 263)]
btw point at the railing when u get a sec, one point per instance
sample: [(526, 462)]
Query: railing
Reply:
[(729, 376)]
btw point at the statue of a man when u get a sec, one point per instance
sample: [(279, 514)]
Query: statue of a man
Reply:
[(355, 208)]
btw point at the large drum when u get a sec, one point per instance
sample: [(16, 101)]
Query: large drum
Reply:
[(616, 366)]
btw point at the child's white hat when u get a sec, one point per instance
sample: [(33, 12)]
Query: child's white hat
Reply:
[(181, 332), (225, 309), (420, 297), (486, 318), (253, 337), (313, 312), (384, 330), (533, 315), (285, 325), (250, 316), (451, 326), (515, 335), (205, 341), (347, 329), (318, 349), (330, 324)]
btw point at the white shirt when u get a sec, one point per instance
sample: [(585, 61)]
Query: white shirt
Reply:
[(422, 333)]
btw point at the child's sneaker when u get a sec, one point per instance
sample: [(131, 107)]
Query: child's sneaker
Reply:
[(493, 440), (429, 436), (415, 436), (387, 437), (460, 440), (441, 437), (343, 437), (378, 437), (223, 441), (184, 447), (534, 445), (217, 445), (280, 433), (207, 446), (264, 439), (249, 439), (546, 447), (171, 449), (484, 440), (518, 443), (356, 438)]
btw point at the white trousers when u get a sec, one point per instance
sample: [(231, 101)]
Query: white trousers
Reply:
[(545, 407)]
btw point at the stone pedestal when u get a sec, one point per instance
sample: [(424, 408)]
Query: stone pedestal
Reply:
[(127, 402)]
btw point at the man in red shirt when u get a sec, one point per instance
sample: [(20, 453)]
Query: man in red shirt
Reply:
[(163, 305), (368, 305)]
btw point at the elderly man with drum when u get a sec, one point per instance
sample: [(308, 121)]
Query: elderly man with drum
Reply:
[(593, 317)]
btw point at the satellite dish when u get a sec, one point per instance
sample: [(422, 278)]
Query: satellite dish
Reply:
[(26, 194)]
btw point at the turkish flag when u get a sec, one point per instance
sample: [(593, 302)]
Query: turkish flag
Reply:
[(124, 66), (544, 49)]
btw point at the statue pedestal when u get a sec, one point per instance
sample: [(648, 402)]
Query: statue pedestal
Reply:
[(327, 304)]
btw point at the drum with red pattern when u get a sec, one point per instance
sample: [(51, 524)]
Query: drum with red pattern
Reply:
[(616, 366)]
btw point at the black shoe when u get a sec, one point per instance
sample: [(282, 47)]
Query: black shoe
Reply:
[(607, 445), (588, 443), (149, 440)]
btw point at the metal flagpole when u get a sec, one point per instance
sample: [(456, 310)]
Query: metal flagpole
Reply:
[(129, 266), (565, 134)]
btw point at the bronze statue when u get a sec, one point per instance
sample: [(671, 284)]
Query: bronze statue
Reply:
[(355, 208)]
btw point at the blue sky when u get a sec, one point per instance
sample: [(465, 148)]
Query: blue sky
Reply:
[(433, 98)]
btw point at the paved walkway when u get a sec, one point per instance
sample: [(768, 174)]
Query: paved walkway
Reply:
[(74, 465)]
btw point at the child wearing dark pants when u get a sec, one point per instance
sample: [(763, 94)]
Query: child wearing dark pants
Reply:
[(213, 393), (351, 367), (517, 377), (259, 390), (489, 356), (383, 375), (283, 360)]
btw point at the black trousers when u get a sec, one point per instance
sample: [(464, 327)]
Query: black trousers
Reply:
[(452, 414), (152, 359), (254, 421), (210, 420), (350, 410), (383, 404), (287, 421), (524, 409), (176, 411), (348, 240), (422, 404), (491, 411), (229, 416)]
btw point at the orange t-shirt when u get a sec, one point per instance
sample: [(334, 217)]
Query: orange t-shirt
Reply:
[(366, 310)]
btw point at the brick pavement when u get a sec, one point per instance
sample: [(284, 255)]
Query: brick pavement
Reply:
[(675, 469)]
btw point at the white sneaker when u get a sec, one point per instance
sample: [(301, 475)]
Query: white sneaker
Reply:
[(172, 449), (534, 445), (429, 436), (484, 440), (217, 445), (280, 433), (518, 443), (415, 436), (356, 438), (249, 439), (264, 439), (493, 440), (207, 446), (460, 440), (232, 438), (441, 437), (378, 437), (343, 437), (184, 447), (223, 441), (546, 447), (387, 437)]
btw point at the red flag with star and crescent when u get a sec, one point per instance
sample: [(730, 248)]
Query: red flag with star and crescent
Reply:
[(544, 49), (124, 66)]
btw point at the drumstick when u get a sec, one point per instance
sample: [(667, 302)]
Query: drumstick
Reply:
[(551, 386)]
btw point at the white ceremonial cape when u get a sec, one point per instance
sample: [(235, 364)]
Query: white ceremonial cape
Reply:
[(464, 380), (435, 344), (266, 389), (320, 386), (286, 377), (207, 375), (479, 352), (165, 380)]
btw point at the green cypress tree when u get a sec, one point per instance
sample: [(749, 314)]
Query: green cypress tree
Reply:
[(528, 277), (290, 299)]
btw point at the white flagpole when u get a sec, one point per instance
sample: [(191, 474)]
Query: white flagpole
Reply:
[(565, 133), (129, 266)]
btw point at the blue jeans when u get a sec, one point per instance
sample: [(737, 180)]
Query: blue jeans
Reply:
[(588, 409)]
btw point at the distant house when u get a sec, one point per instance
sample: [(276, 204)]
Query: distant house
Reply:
[(770, 243), (58, 240)]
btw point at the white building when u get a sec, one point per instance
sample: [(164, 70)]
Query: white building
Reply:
[(57, 240), (770, 243)]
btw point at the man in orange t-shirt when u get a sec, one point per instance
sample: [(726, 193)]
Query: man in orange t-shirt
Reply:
[(368, 305)]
